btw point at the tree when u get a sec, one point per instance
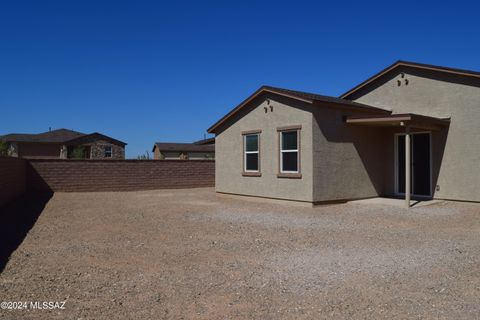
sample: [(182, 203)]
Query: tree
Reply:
[(4, 148), (78, 153), (145, 156)]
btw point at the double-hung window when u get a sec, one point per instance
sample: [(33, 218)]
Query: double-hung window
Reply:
[(251, 152), (108, 151), (290, 151)]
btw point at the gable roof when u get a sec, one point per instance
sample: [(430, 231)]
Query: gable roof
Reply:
[(183, 147), (93, 137), (56, 136), (401, 63), (297, 95)]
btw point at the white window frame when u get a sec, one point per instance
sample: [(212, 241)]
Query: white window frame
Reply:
[(105, 151), (289, 151), (245, 152)]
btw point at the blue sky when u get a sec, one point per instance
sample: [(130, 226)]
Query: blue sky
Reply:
[(145, 71)]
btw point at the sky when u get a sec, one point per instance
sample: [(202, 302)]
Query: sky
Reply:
[(147, 71)]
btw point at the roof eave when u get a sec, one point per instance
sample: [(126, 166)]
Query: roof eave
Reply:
[(248, 100), (347, 104), (401, 63)]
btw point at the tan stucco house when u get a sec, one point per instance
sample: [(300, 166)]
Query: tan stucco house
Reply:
[(410, 130)]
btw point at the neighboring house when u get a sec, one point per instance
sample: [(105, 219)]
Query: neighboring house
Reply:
[(198, 150), (412, 129), (64, 144), (205, 141)]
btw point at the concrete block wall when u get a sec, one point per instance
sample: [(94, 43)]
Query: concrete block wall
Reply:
[(118, 175), (12, 178)]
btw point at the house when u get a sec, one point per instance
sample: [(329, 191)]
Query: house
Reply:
[(410, 130), (205, 141), (64, 144), (198, 150)]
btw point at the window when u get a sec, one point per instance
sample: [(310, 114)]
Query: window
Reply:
[(289, 151), (251, 158), (108, 151)]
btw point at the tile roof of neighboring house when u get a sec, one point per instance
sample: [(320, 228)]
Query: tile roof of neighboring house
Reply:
[(183, 147), (53, 136), (400, 63), (205, 141), (298, 95)]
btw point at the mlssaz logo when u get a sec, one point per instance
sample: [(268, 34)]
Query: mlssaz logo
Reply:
[(47, 305)]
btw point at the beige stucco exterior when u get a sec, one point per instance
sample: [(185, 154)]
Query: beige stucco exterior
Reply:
[(259, 115), (343, 161), (348, 161), (338, 162), (455, 150)]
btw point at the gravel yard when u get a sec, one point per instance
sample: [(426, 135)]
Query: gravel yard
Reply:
[(191, 254)]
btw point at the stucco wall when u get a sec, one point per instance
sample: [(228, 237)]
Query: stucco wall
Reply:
[(348, 161), (39, 150), (229, 150), (156, 154), (457, 149)]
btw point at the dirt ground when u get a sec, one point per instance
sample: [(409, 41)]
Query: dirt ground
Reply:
[(191, 254)]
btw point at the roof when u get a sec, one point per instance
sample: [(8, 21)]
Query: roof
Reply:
[(401, 63), (307, 97), (205, 141), (59, 135), (183, 147), (94, 137), (54, 136), (404, 119)]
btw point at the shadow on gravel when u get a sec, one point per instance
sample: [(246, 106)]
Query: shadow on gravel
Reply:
[(17, 218)]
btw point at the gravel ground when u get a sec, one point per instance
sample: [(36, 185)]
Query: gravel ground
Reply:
[(191, 254)]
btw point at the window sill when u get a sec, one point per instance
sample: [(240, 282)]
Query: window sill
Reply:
[(251, 174), (289, 175)]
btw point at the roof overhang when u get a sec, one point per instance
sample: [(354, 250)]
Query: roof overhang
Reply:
[(422, 66), (400, 120), (93, 137), (312, 99)]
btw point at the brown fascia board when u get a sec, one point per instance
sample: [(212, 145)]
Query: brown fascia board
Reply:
[(359, 119), (246, 101), (96, 134), (398, 117), (322, 101), (417, 65)]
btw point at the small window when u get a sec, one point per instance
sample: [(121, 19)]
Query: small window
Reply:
[(108, 151), (251, 152), (289, 154)]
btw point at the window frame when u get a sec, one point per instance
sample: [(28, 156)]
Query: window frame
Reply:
[(105, 151), (245, 172), (285, 173)]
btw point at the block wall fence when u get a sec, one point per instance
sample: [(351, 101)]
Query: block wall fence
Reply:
[(13, 178), (52, 175)]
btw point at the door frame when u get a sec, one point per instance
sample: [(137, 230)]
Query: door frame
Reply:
[(395, 140)]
